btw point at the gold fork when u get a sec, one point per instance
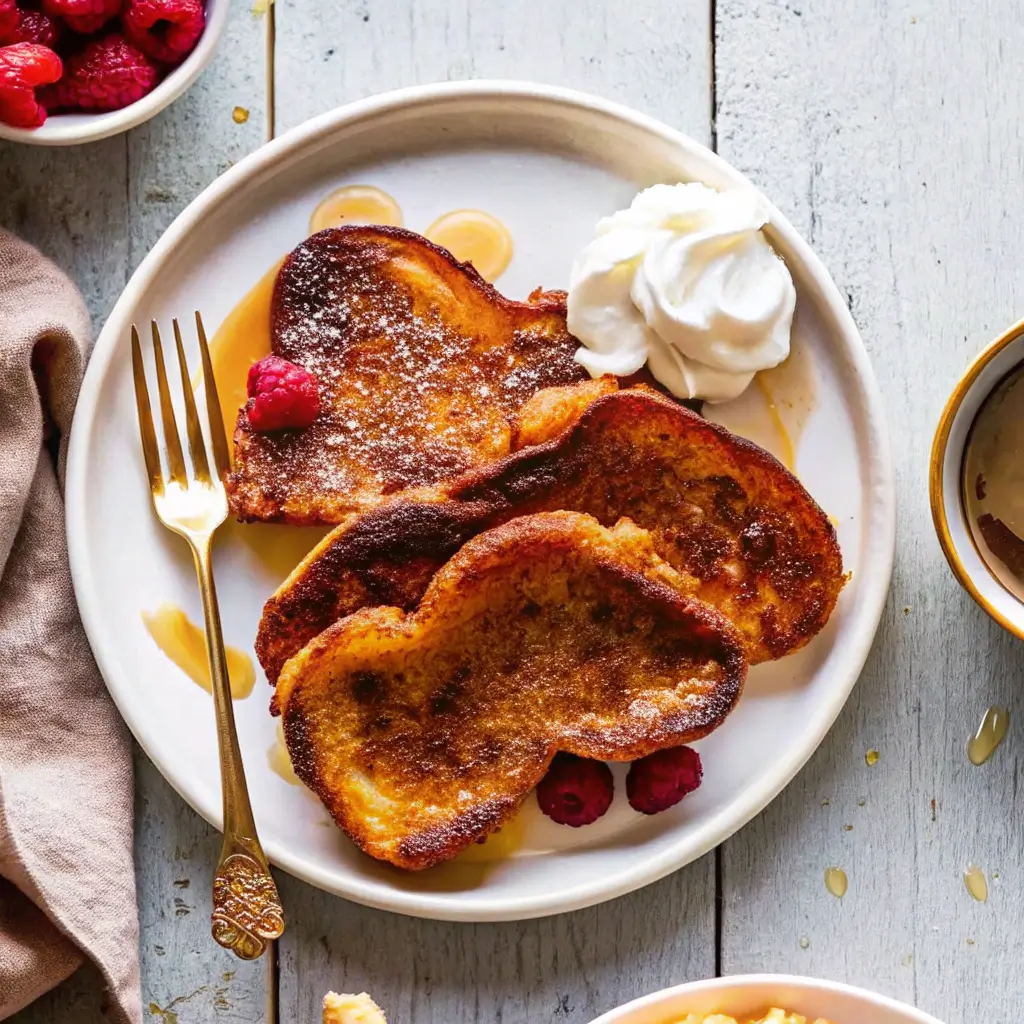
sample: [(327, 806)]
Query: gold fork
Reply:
[(246, 907)]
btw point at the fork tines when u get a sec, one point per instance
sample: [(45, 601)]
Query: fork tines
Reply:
[(196, 444)]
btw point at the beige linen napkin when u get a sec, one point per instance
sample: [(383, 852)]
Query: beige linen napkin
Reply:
[(67, 885)]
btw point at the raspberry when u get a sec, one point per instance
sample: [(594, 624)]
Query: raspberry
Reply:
[(167, 30), (282, 396), (84, 16), (107, 75), (24, 67), (10, 18), (662, 779), (575, 791), (35, 27)]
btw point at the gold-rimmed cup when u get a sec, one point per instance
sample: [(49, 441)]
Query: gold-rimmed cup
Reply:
[(946, 478)]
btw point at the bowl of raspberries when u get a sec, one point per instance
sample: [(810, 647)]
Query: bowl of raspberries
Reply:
[(74, 71)]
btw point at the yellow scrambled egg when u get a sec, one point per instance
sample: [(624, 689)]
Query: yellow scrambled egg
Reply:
[(775, 1016), (346, 1009)]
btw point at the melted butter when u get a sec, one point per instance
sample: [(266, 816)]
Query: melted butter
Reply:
[(475, 237), (990, 734), (993, 468), (356, 204), (836, 882), (774, 413), (977, 886), (498, 845), (185, 644), (279, 761)]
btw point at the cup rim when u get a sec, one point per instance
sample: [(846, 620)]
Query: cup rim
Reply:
[(937, 481)]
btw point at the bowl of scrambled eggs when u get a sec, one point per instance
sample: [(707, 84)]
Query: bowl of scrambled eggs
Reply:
[(765, 999)]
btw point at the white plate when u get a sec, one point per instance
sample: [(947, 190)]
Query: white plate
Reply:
[(744, 995), (548, 163)]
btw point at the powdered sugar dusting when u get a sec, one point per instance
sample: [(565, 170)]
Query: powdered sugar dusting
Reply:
[(420, 370)]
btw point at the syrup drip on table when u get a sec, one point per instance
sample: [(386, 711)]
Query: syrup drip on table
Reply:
[(774, 412), (356, 204), (476, 237), (977, 885), (989, 736), (836, 882), (185, 644)]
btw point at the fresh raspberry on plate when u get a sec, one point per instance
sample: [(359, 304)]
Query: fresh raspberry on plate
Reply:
[(107, 74), (576, 791), (24, 67), (167, 30), (282, 396), (34, 27), (84, 16), (662, 779)]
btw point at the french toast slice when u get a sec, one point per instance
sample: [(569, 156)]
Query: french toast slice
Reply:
[(743, 531), (423, 731), (421, 366)]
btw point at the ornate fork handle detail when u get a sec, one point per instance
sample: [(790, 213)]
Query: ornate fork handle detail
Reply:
[(246, 908)]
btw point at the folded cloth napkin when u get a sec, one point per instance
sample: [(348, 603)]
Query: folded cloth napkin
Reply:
[(67, 883)]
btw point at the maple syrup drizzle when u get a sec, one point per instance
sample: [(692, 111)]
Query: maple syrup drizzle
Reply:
[(241, 340), (355, 204), (774, 413), (476, 237), (991, 733), (279, 760), (836, 882), (185, 644), (498, 845)]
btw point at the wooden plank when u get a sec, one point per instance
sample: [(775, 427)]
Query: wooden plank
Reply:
[(71, 204), (98, 209), (170, 160), (568, 968), (890, 133), (652, 54), (656, 56)]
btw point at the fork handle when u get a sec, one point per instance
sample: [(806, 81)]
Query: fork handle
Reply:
[(247, 910)]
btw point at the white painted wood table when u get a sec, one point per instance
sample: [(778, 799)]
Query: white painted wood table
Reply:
[(889, 131)]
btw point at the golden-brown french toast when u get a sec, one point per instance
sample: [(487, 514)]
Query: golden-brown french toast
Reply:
[(423, 732), (747, 535), (421, 367)]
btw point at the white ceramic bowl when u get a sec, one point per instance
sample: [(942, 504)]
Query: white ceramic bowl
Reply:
[(746, 996), (945, 479), (72, 129)]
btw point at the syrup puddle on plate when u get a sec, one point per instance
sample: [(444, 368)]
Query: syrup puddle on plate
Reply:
[(279, 761), (498, 845), (355, 204), (185, 644), (473, 236), (774, 410), (991, 733), (977, 884)]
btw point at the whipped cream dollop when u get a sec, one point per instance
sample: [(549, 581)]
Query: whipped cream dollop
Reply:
[(685, 281)]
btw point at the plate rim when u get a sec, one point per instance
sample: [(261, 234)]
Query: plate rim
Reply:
[(878, 551)]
